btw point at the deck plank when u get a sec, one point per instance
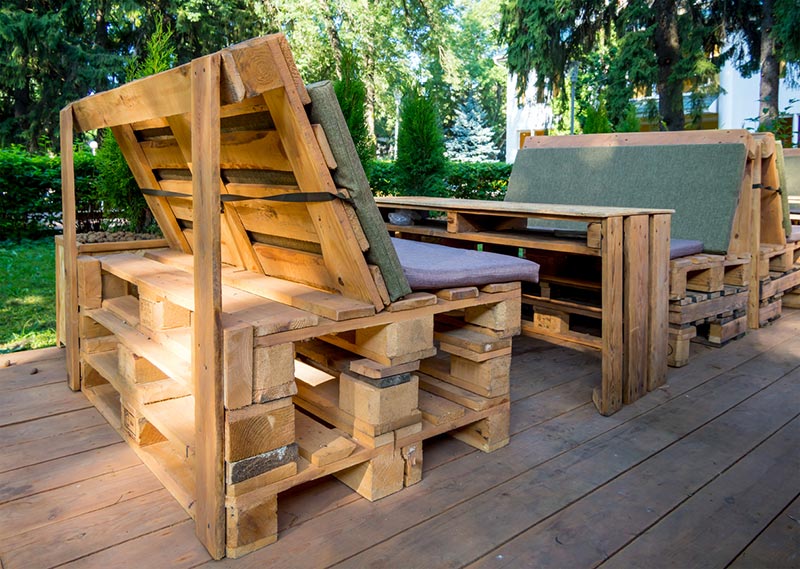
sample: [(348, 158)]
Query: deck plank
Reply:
[(41, 401), (73, 538), (778, 545), (46, 427), (579, 535), (32, 374)]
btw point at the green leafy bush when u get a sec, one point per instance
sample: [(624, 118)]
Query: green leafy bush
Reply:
[(351, 93), (467, 180), (30, 192)]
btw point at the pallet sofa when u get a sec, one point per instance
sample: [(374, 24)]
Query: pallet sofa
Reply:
[(788, 164), (728, 206), (277, 339)]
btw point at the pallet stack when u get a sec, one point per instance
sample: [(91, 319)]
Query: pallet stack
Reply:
[(277, 339)]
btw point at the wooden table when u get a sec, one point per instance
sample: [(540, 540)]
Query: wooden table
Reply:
[(633, 246)]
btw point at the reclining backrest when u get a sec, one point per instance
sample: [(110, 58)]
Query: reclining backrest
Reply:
[(282, 213), (705, 176)]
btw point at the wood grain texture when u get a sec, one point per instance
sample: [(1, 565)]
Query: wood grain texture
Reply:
[(207, 357), (609, 398), (636, 325)]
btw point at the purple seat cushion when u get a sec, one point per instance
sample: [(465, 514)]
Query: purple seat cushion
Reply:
[(428, 266), (795, 235), (684, 247)]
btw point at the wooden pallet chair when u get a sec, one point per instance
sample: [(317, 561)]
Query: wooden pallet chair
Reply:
[(277, 339), (783, 275)]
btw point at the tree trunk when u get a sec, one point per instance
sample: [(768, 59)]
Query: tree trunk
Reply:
[(668, 53), (333, 35), (770, 69), (101, 27)]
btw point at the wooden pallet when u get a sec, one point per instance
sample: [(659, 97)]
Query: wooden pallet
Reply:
[(706, 273)]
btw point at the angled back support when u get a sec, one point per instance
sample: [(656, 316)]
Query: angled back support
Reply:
[(282, 214), (706, 176)]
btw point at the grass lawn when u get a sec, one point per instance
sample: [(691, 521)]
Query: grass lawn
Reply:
[(27, 295)]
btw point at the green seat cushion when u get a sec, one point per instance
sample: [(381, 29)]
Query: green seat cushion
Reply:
[(701, 182)]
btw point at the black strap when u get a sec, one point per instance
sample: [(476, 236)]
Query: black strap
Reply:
[(757, 186), (298, 197)]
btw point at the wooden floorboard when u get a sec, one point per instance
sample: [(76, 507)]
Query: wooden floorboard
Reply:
[(700, 472)]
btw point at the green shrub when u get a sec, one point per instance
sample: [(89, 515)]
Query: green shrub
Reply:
[(467, 180), (420, 165), (352, 96), (30, 192), (596, 120)]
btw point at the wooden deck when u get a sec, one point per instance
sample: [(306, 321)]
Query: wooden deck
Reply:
[(704, 472)]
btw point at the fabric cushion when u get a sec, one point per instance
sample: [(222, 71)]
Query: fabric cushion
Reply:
[(429, 266), (795, 235), (684, 247)]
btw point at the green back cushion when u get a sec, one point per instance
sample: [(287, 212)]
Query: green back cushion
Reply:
[(350, 175), (791, 174), (701, 182)]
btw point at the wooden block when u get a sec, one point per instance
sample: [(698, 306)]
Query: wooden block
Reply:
[(236, 472), (375, 370), (488, 434), (375, 431), (412, 455), (458, 293), (710, 279), (98, 345), (373, 441), (474, 356), (722, 333), (678, 351), (273, 372), (136, 369), (160, 314), (258, 428), (375, 405), (90, 282), (791, 300), (320, 445), (503, 316), (491, 378), (269, 477), (553, 321), (113, 286), (738, 274), (137, 428), (378, 477), (250, 526), (237, 366), (398, 339), (89, 328)]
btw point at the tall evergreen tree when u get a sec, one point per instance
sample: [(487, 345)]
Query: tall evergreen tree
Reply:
[(420, 165), (470, 140), (352, 96), (666, 43)]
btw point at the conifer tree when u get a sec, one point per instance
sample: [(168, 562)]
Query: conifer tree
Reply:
[(470, 139), (420, 165)]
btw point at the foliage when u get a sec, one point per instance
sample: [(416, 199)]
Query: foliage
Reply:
[(117, 188), (30, 191), (352, 95), (469, 139), (630, 46), (630, 122), (27, 295), (596, 120), (467, 180), (420, 148)]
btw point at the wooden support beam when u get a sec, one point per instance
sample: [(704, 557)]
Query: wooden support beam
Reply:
[(608, 399), (207, 357), (71, 331), (636, 325), (659, 304)]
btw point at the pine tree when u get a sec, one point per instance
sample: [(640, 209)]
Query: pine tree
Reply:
[(420, 165), (352, 96), (470, 139)]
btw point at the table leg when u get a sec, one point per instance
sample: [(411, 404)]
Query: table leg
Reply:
[(659, 301), (608, 398), (636, 279)]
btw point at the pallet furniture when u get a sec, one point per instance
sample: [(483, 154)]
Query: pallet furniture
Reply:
[(630, 245), (277, 339)]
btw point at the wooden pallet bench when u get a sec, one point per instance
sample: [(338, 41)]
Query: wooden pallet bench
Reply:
[(277, 339), (622, 263)]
